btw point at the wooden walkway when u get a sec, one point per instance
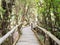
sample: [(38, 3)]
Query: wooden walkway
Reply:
[(28, 37)]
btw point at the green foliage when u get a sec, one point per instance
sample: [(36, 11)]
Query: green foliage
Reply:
[(1, 15), (46, 8), (57, 0), (1, 10)]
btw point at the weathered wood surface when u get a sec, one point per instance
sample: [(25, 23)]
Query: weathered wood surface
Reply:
[(50, 35), (28, 37), (2, 39)]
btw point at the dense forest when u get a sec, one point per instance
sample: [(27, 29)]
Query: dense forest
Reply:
[(45, 13)]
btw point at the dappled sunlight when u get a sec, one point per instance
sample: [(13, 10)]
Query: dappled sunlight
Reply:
[(29, 22)]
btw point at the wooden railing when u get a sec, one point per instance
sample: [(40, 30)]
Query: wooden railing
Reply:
[(48, 36), (9, 34)]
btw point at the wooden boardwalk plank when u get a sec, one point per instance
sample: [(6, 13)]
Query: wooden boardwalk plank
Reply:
[(28, 37)]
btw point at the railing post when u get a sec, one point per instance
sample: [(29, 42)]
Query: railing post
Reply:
[(49, 37), (31, 26), (19, 29), (46, 39), (7, 39)]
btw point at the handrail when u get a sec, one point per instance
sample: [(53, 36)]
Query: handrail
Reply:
[(2, 39), (50, 35)]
